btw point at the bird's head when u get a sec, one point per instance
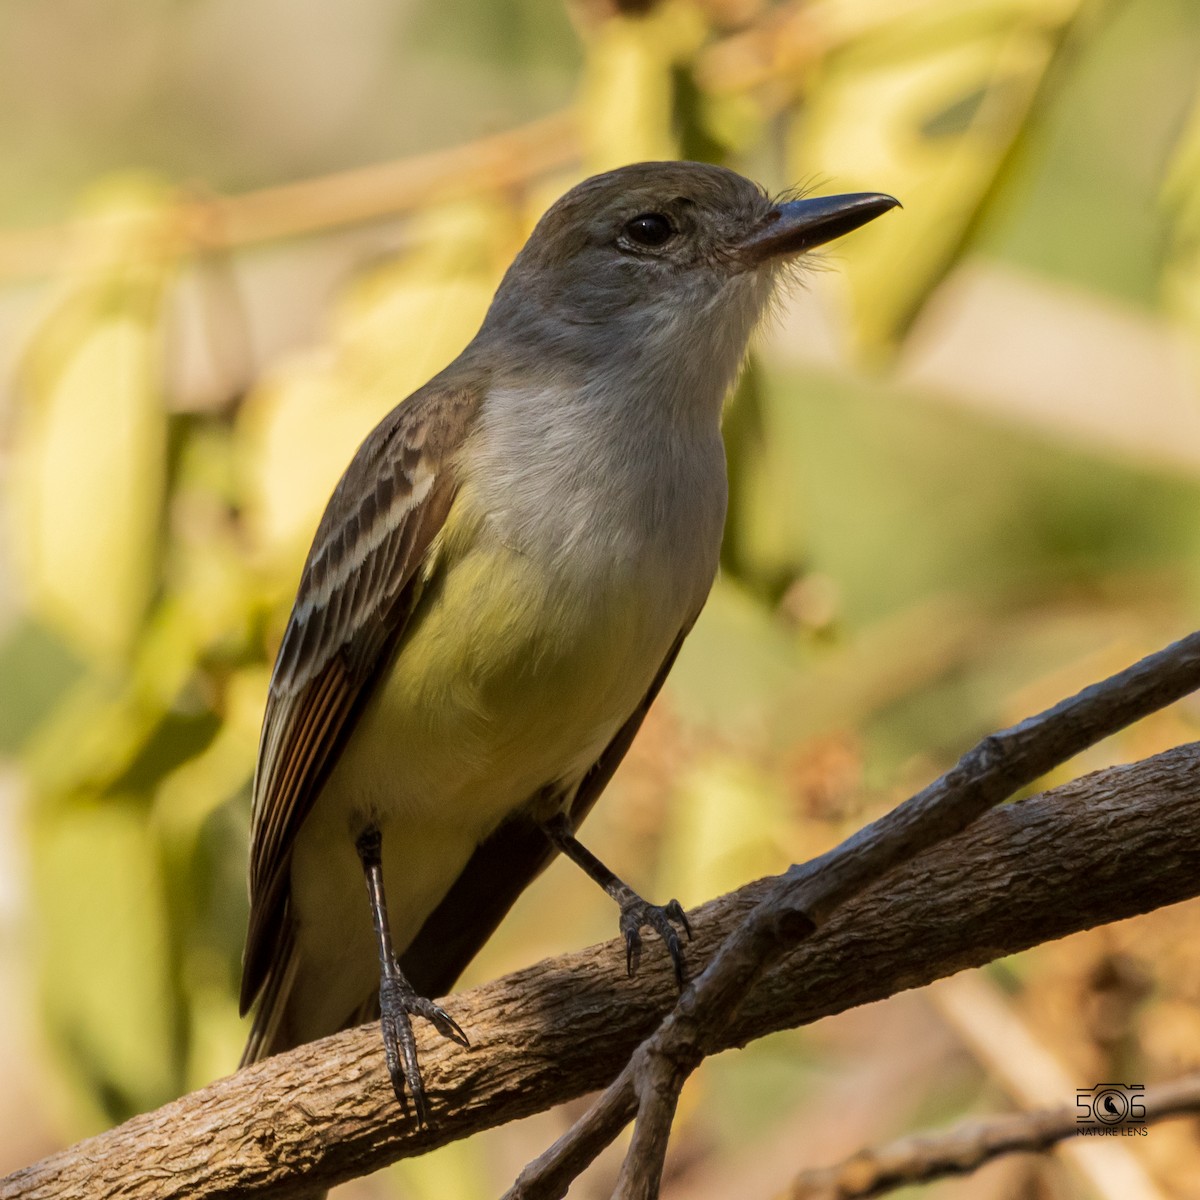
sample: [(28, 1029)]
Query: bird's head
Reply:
[(657, 260)]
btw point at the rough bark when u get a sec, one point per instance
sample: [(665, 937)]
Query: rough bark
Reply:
[(1113, 844), (805, 897)]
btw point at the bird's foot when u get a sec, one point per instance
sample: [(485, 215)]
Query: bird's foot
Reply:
[(397, 1003), (637, 914)]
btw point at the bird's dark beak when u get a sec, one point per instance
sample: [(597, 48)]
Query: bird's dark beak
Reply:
[(799, 225)]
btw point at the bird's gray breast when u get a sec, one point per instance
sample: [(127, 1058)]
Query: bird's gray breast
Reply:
[(604, 489)]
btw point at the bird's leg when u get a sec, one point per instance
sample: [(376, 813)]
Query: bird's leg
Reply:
[(397, 1000), (636, 913)]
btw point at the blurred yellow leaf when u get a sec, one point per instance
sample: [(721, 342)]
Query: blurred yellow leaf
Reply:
[(397, 326), (106, 723), (736, 665), (729, 824), (206, 571), (626, 103), (455, 1170), (106, 953), (1181, 196), (187, 798), (90, 446), (765, 539), (734, 120), (927, 107), (195, 790)]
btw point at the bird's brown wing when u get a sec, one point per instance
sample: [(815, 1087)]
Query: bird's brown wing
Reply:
[(360, 583), (504, 865)]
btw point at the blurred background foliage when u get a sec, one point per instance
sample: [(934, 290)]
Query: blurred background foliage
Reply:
[(965, 468)]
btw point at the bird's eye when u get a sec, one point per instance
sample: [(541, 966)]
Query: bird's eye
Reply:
[(649, 229)]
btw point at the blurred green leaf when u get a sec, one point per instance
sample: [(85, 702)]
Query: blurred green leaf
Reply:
[(201, 815), (36, 669), (764, 541), (107, 722), (90, 447), (105, 949), (925, 106), (905, 498), (735, 664), (1181, 197), (1082, 199), (529, 37)]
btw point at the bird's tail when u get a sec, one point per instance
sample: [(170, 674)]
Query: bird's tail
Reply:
[(269, 1033)]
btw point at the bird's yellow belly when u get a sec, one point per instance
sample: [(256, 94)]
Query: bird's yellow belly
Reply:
[(504, 685)]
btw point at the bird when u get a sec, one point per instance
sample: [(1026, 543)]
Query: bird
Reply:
[(496, 591)]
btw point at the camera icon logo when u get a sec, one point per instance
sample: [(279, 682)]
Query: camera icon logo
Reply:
[(1110, 1103)]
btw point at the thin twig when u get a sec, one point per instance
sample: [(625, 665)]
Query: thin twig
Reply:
[(325, 1112), (496, 162), (806, 896), (1026, 1069), (966, 1147)]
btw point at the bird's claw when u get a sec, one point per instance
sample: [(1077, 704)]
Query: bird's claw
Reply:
[(636, 914), (441, 1020), (397, 1003)]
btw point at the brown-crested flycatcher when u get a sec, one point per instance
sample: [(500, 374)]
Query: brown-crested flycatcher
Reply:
[(494, 596)]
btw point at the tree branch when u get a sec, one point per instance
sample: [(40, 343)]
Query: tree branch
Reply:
[(804, 898), (1111, 845), (966, 1147)]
